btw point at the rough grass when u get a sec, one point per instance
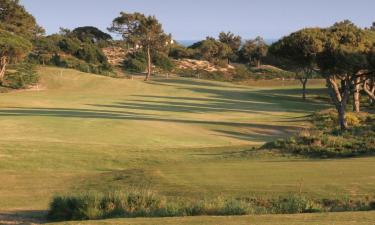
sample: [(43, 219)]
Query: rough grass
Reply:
[(147, 203), (181, 137)]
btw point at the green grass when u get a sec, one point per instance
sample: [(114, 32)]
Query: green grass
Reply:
[(360, 218), (180, 137)]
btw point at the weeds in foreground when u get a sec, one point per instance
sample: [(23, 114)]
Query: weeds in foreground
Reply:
[(145, 203)]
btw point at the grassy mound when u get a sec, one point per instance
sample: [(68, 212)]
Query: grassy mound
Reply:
[(325, 140)]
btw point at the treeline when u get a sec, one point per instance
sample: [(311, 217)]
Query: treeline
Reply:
[(224, 50), (23, 43)]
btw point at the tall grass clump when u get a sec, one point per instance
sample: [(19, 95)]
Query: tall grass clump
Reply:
[(146, 203), (93, 205)]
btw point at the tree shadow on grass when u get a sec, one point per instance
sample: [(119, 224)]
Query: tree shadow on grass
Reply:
[(230, 98), (215, 100), (264, 130), (23, 217)]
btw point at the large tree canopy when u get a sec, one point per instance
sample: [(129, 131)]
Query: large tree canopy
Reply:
[(342, 62), (14, 18), (91, 34), (12, 49), (299, 50), (144, 32)]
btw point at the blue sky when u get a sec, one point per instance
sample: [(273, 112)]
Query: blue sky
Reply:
[(196, 19)]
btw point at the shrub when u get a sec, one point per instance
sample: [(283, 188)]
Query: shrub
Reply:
[(136, 62), (23, 75), (352, 119), (94, 205), (163, 62), (325, 140), (70, 52), (241, 73), (145, 203), (291, 204), (181, 52), (69, 45), (74, 63)]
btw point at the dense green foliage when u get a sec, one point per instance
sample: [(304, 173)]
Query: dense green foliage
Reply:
[(212, 50), (145, 203), (300, 49), (163, 62), (91, 34), (70, 52), (135, 62), (21, 76), (325, 140), (13, 49), (180, 52), (15, 19)]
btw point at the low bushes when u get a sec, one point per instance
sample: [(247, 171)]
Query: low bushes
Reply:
[(70, 52), (163, 62), (137, 62), (203, 74), (240, 72), (145, 203), (75, 63), (325, 140), (21, 76)]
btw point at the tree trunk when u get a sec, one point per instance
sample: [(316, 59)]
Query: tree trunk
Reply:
[(341, 116), (370, 90), (3, 65), (356, 95), (149, 66), (304, 84), (258, 63), (339, 100)]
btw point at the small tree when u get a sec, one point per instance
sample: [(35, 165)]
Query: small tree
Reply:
[(12, 49), (300, 50), (233, 41), (254, 51), (144, 32)]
